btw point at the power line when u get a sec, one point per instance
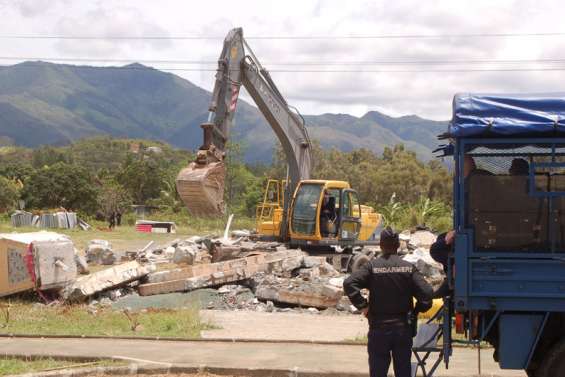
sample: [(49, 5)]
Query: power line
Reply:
[(289, 37), (298, 63), (455, 70)]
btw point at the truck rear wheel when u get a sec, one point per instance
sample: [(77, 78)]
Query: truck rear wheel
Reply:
[(553, 364)]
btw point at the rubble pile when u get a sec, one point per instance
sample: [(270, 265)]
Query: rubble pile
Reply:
[(231, 273)]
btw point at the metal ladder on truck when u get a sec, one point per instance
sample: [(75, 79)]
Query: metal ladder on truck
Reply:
[(427, 343)]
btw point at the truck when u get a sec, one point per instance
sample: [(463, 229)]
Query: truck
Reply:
[(507, 267), (303, 212)]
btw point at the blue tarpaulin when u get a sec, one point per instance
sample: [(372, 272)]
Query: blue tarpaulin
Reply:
[(476, 115)]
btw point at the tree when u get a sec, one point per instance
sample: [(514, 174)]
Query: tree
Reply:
[(243, 189), (61, 185), (113, 198), (9, 194), (143, 177)]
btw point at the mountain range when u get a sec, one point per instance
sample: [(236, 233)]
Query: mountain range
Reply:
[(46, 103)]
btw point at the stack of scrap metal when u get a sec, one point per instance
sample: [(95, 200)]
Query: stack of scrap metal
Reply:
[(21, 218), (62, 219)]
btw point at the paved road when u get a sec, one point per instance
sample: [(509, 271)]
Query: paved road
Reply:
[(338, 359), (283, 326)]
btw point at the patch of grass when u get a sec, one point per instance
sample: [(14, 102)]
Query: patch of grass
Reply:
[(126, 237), (10, 365), (25, 318), (361, 339)]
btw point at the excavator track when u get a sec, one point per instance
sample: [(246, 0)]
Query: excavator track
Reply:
[(201, 188)]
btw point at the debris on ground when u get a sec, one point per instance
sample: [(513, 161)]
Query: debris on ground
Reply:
[(115, 276), (214, 274), (100, 252), (226, 273), (38, 260)]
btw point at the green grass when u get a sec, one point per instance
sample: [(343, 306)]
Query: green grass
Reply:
[(126, 237), (26, 318), (10, 365)]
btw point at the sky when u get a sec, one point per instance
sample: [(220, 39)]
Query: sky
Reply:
[(437, 50)]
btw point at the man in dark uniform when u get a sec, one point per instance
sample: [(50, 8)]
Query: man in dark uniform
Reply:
[(440, 252), (392, 283)]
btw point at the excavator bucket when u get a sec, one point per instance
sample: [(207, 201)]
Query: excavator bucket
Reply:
[(201, 188)]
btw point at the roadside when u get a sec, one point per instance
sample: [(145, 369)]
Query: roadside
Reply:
[(20, 317), (341, 360), (12, 365), (293, 326)]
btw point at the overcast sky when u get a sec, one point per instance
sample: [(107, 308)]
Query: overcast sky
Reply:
[(427, 94)]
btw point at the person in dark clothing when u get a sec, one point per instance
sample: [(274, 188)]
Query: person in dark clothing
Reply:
[(519, 166), (392, 284), (112, 221), (328, 215), (440, 251)]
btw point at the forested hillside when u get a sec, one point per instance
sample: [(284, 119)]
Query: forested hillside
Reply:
[(45, 103)]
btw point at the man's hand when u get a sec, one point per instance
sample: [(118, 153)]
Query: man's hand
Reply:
[(365, 312)]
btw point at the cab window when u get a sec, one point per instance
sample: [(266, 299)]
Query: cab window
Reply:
[(305, 209)]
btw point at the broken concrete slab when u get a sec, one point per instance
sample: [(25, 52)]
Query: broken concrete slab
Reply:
[(207, 275), (82, 265), (310, 294), (432, 270), (109, 278), (54, 263), (185, 253), (100, 252)]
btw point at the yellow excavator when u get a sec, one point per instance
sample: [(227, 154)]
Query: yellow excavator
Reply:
[(299, 211)]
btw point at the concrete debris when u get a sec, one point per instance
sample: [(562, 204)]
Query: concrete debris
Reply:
[(99, 281), (421, 239), (82, 265), (237, 273), (432, 270), (298, 292), (214, 274), (40, 260), (186, 253), (54, 263), (100, 252), (241, 233)]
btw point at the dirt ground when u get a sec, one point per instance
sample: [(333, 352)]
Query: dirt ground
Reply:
[(283, 326)]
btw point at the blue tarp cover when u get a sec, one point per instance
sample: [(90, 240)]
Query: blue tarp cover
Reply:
[(507, 115)]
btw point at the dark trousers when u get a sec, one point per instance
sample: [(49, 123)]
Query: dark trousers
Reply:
[(387, 340)]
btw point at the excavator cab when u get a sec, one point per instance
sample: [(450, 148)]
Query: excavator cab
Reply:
[(329, 213)]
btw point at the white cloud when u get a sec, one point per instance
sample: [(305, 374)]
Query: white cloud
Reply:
[(425, 93)]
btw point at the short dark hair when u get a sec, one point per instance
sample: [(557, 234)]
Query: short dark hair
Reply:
[(390, 241), (389, 235)]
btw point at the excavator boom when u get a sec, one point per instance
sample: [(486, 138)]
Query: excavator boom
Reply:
[(201, 184)]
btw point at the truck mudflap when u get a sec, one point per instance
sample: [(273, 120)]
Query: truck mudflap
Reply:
[(518, 337)]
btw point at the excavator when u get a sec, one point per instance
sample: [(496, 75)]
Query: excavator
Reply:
[(299, 211)]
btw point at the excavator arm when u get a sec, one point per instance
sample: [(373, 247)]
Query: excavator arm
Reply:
[(201, 184)]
